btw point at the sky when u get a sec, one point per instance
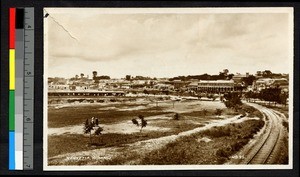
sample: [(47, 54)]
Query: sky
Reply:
[(158, 44)]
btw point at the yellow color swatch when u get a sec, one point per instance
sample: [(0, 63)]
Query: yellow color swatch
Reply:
[(12, 69)]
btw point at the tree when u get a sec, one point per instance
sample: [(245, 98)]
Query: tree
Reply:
[(283, 98), (233, 100), (134, 121), (267, 73), (252, 95), (221, 76), (89, 126), (271, 94), (94, 74), (249, 80), (128, 77), (103, 77), (143, 122), (230, 76)]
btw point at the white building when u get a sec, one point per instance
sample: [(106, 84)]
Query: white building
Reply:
[(215, 86)]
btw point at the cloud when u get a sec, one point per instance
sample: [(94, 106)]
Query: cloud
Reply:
[(167, 44)]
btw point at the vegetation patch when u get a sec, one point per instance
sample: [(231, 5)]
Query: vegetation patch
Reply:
[(252, 112), (69, 143), (284, 151), (226, 141), (282, 109), (69, 116)]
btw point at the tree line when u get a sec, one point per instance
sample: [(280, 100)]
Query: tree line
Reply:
[(272, 95)]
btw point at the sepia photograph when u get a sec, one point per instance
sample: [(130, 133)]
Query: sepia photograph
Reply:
[(168, 88)]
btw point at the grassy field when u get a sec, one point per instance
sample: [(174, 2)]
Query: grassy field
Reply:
[(76, 142), (116, 113), (225, 141), (69, 116)]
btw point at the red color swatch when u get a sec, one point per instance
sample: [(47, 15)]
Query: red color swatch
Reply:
[(12, 27)]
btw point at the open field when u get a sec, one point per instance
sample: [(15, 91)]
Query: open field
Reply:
[(109, 113), (199, 136), (65, 125)]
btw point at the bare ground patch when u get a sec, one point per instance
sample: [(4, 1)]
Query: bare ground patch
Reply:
[(109, 155)]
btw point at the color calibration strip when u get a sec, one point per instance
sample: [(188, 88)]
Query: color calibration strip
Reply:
[(21, 58), (12, 68)]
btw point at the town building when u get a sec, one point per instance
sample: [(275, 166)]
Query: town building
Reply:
[(215, 86), (238, 78), (193, 86), (264, 83), (84, 93), (179, 84)]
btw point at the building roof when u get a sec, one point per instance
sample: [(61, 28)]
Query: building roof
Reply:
[(216, 81), (239, 76), (84, 91)]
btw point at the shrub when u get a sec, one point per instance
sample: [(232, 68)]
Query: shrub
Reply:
[(100, 101), (176, 116), (134, 121), (98, 131), (217, 132), (112, 100), (238, 145), (224, 152), (143, 122), (218, 112), (81, 100), (252, 111), (285, 124)]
